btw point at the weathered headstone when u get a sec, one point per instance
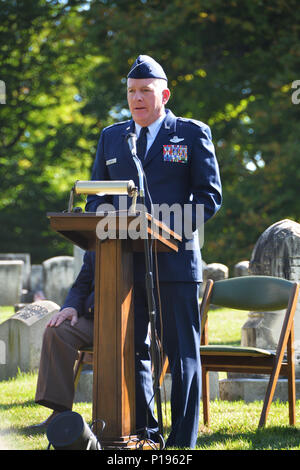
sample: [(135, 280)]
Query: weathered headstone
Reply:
[(241, 269), (21, 338), (2, 352), (215, 271), (36, 278), (276, 253), (25, 257), (78, 259), (58, 276), (84, 390), (252, 389), (11, 280)]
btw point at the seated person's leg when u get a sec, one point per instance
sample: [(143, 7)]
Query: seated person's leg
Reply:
[(55, 386)]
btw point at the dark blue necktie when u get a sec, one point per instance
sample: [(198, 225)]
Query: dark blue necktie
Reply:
[(141, 144)]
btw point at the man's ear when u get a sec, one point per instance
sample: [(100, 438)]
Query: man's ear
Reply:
[(165, 95)]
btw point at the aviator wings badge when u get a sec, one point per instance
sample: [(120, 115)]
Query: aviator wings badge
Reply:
[(176, 139)]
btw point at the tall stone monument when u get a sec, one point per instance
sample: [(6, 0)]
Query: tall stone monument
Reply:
[(276, 253)]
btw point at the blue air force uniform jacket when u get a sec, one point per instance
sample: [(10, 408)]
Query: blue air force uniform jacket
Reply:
[(82, 293), (181, 168)]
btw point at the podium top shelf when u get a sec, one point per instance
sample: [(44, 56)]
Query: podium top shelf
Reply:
[(82, 229)]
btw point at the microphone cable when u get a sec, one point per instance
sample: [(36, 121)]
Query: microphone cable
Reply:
[(158, 341), (158, 344)]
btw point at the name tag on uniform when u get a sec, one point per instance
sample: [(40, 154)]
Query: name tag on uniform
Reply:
[(175, 153), (111, 161)]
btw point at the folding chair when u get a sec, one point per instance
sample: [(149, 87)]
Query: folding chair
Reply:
[(253, 293), (85, 357)]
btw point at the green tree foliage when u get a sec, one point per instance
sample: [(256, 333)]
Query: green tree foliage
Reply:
[(230, 64), (45, 141)]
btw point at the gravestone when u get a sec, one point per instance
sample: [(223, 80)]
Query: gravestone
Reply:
[(276, 253), (215, 271), (2, 352), (25, 257), (78, 259), (22, 336), (202, 284), (11, 281), (58, 276), (36, 278), (241, 269), (84, 390)]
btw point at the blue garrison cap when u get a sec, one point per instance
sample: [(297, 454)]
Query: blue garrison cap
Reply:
[(146, 67)]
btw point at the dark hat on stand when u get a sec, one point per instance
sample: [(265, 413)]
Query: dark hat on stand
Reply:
[(146, 67)]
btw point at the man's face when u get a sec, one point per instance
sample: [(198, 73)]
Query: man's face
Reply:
[(146, 99)]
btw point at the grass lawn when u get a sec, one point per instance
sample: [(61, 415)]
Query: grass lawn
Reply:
[(5, 313), (233, 424)]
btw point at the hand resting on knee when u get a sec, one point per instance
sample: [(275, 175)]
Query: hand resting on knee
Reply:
[(68, 313)]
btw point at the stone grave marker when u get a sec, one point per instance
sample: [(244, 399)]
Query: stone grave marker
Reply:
[(11, 280), (215, 271), (276, 253), (21, 338), (241, 269), (58, 276), (25, 257)]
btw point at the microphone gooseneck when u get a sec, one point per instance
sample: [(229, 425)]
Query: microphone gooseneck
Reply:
[(131, 140)]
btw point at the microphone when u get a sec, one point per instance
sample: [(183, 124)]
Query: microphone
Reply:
[(131, 140)]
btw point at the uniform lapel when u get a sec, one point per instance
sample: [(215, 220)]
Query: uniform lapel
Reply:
[(168, 127)]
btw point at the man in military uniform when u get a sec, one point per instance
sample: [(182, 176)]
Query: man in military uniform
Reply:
[(180, 166)]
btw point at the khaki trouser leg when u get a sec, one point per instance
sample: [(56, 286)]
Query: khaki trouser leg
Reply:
[(55, 385)]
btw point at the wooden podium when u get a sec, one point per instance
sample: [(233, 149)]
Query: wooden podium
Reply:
[(113, 364)]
